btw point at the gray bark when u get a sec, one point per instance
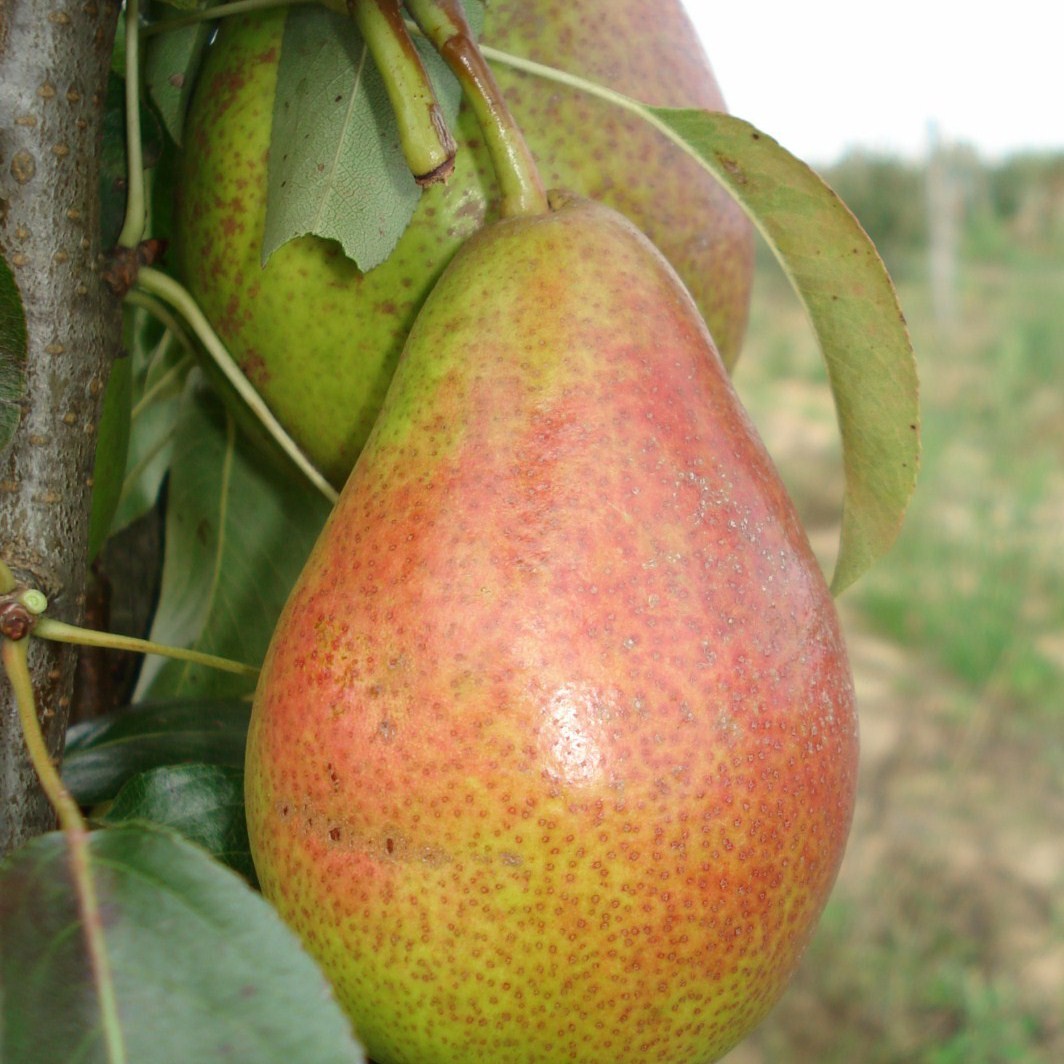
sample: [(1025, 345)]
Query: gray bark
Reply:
[(54, 59)]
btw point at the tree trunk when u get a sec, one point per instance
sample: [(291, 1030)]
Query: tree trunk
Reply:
[(54, 61)]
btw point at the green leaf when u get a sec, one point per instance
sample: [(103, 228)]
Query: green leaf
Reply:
[(114, 177), (238, 531), (204, 803), (192, 964), (103, 755), (854, 309), (336, 168), (118, 48), (160, 368), (171, 61), (13, 344)]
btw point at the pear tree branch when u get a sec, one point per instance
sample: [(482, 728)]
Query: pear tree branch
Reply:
[(54, 62)]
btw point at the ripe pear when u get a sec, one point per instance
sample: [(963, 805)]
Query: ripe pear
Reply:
[(318, 338), (552, 757)]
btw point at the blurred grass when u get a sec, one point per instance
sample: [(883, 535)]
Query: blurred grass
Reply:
[(977, 578), (944, 940)]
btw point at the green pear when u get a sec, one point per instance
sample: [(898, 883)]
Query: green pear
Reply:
[(553, 753), (318, 338)]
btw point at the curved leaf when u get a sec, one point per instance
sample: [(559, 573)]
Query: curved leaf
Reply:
[(854, 309), (190, 964), (851, 301), (238, 530)]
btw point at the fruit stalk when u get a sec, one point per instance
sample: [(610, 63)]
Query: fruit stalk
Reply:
[(520, 186), (426, 141)]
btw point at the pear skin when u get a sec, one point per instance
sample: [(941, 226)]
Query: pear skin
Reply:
[(553, 753), (318, 338), (646, 49)]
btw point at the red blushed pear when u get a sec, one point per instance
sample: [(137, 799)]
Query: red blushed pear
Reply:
[(554, 750)]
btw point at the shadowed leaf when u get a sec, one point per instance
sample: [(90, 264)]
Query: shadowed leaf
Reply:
[(238, 530), (159, 368), (205, 803), (104, 754), (193, 965)]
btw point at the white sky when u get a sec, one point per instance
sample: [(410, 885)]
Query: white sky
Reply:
[(822, 76)]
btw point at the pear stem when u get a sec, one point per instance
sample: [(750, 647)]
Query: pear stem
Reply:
[(426, 141), (445, 24)]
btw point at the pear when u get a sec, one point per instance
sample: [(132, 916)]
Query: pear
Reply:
[(318, 338), (553, 753)]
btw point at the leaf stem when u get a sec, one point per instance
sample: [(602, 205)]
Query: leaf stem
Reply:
[(444, 23), (863, 387), (177, 296), (16, 666), (426, 141), (162, 313), (136, 209), (601, 92), (14, 654), (60, 632)]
